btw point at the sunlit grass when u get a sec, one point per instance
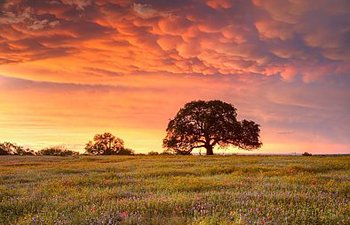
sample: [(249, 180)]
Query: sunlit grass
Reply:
[(175, 190)]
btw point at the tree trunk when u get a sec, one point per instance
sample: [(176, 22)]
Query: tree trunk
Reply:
[(209, 150)]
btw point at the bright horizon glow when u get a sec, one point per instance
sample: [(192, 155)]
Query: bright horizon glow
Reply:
[(70, 69)]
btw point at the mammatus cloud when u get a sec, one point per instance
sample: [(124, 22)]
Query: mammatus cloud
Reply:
[(144, 10), (287, 38), (14, 13), (79, 4)]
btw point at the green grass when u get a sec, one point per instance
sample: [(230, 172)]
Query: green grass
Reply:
[(175, 190)]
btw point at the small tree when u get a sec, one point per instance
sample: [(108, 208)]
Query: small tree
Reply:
[(306, 154), (105, 144), (205, 124)]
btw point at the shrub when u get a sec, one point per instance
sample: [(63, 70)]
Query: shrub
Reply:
[(153, 153), (306, 154), (25, 151), (125, 151), (57, 151), (166, 153)]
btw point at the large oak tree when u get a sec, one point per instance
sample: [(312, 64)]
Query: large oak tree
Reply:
[(206, 124)]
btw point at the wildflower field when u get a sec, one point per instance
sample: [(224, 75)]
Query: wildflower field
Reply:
[(175, 190)]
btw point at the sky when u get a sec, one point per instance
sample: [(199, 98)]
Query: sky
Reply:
[(70, 69)]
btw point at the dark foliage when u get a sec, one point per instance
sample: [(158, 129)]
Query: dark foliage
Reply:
[(126, 151), (153, 153), (306, 154), (166, 153), (206, 124), (107, 144), (57, 151), (8, 148)]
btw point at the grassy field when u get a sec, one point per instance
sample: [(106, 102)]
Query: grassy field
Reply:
[(175, 190)]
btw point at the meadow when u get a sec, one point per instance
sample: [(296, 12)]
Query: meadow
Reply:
[(175, 190)]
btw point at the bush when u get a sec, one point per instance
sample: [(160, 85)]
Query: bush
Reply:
[(166, 153), (57, 151), (25, 151), (306, 154), (153, 153), (125, 151)]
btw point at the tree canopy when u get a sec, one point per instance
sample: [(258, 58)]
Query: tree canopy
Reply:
[(57, 151), (7, 148), (107, 144), (206, 124)]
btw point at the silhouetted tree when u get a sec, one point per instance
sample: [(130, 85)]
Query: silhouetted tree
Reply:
[(57, 151), (205, 124), (105, 144), (8, 148), (25, 151), (306, 154)]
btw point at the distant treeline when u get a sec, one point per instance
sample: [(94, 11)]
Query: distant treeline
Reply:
[(102, 144), (7, 148)]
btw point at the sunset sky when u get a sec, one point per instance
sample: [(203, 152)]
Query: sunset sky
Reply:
[(72, 68)]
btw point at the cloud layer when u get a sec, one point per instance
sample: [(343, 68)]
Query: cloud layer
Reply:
[(287, 38)]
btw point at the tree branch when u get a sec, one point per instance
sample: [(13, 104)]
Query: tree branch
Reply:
[(199, 146), (201, 141)]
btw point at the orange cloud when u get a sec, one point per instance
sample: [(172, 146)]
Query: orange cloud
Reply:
[(218, 4)]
